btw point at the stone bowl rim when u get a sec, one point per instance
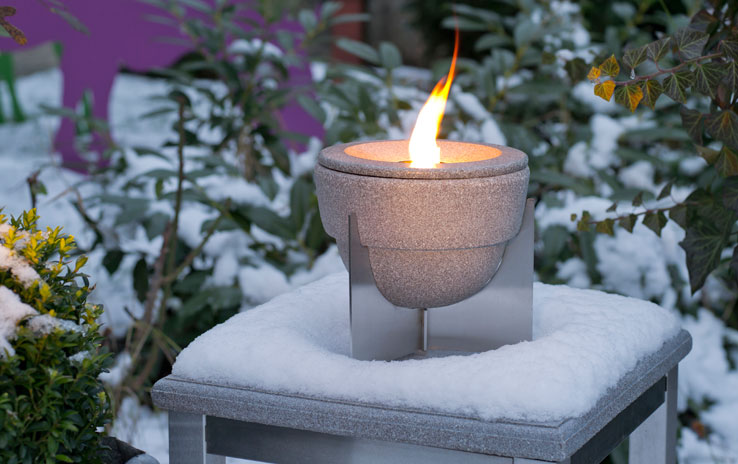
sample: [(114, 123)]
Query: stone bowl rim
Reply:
[(335, 158)]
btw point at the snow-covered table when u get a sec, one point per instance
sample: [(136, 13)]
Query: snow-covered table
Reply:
[(275, 384)]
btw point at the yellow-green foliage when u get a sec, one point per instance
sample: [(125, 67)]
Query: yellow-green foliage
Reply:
[(51, 402)]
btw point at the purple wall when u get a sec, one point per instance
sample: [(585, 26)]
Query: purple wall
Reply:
[(119, 35)]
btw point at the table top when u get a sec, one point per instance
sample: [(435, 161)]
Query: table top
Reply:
[(547, 440)]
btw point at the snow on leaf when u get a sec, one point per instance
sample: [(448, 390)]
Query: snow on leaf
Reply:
[(652, 90), (594, 74), (724, 127), (707, 78), (658, 49), (635, 56), (605, 89), (690, 42), (610, 66), (675, 86), (629, 96), (693, 122)]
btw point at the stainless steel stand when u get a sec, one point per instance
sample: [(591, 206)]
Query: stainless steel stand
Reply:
[(500, 314)]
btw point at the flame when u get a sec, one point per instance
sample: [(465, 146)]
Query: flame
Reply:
[(424, 151)]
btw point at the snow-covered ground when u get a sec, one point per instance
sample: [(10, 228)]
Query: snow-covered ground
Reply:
[(636, 265)]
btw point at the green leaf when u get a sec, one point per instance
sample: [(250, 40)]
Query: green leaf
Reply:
[(693, 123), (730, 69), (690, 42), (141, 279), (300, 196), (655, 221), (704, 243), (678, 214), (727, 162), (605, 227), (360, 49), (635, 56), (269, 221), (628, 222), (708, 154), (666, 191), (629, 96), (730, 48), (389, 55), (315, 235), (652, 90), (675, 86), (707, 77), (730, 194), (576, 69), (724, 127), (489, 41), (734, 263), (658, 49), (313, 108), (638, 199)]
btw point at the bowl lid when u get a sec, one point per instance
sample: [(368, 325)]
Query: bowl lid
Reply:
[(389, 158)]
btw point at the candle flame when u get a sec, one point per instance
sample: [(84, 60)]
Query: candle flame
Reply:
[(424, 151)]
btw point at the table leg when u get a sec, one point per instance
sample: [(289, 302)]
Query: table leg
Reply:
[(654, 441), (187, 440)]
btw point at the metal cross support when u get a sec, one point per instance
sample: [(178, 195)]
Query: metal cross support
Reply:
[(499, 314)]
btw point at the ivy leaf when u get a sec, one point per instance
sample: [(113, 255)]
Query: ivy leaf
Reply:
[(704, 243), (678, 214), (629, 96), (727, 162), (693, 123), (666, 191), (657, 50), (655, 221), (583, 223), (635, 56), (606, 227), (730, 47), (604, 90), (690, 42), (708, 154), (675, 86), (703, 21), (594, 74), (628, 222), (707, 77), (652, 90), (730, 69), (724, 127), (638, 199), (730, 194), (610, 66), (613, 207), (576, 69)]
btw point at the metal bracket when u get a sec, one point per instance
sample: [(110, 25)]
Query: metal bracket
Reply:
[(500, 314)]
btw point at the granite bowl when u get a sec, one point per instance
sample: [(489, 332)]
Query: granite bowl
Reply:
[(435, 236)]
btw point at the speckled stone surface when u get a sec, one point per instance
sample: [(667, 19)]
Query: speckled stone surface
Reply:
[(455, 219), (548, 441)]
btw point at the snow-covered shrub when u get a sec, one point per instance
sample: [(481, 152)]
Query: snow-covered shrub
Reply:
[(51, 401)]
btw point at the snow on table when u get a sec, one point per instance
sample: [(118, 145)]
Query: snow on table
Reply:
[(584, 341)]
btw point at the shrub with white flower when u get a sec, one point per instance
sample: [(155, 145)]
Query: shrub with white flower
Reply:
[(51, 401)]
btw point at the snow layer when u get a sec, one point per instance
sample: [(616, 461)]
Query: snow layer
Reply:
[(12, 311), (584, 341)]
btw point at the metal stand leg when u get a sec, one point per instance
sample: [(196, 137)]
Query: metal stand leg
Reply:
[(379, 330), (187, 440), (500, 314), (654, 441)]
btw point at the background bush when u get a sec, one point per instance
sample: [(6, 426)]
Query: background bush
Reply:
[(51, 401)]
